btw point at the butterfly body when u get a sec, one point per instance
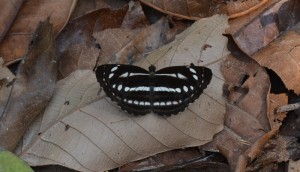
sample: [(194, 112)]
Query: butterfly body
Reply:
[(164, 92)]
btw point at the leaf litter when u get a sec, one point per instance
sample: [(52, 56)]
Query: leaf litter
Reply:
[(113, 138)]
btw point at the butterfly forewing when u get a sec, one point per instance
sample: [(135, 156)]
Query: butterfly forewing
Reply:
[(126, 84), (165, 92)]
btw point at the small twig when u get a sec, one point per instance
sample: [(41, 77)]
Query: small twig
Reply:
[(287, 108)]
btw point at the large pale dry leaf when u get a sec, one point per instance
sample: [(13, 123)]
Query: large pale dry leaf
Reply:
[(9, 11), (32, 88), (283, 57), (254, 32), (76, 90), (15, 44), (99, 136)]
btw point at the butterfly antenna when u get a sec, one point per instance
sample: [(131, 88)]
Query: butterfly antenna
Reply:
[(147, 59)]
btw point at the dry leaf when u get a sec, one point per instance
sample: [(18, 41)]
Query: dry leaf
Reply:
[(135, 17), (77, 50), (186, 9), (255, 33), (283, 57), (142, 43), (16, 42), (9, 10), (242, 7), (99, 136), (32, 88), (6, 79), (246, 111)]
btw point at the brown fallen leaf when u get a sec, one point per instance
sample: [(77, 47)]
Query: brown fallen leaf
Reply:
[(187, 9), (135, 17), (32, 88), (99, 136), (6, 79), (283, 57), (84, 7), (15, 44), (254, 32), (242, 7), (78, 50), (9, 11)]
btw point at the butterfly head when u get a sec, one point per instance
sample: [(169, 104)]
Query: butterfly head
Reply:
[(152, 68)]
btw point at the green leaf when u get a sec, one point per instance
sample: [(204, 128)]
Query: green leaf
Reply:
[(11, 163)]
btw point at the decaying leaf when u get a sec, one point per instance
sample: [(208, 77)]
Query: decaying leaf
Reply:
[(32, 88), (14, 45), (254, 32), (99, 136)]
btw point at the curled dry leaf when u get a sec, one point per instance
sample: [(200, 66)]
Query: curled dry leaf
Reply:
[(99, 136), (32, 88), (258, 30), (77, 50), (10, 8), (16, 42), (6, 79), (186, 9), (283, 57), (246, 111)]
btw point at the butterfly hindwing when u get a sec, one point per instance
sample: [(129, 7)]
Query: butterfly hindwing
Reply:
[(185, 84), (165, 92)]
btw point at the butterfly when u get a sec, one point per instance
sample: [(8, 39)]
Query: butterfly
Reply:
[(165, 92)]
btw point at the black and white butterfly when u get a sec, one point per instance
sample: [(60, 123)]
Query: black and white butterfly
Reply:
[(164, 92)]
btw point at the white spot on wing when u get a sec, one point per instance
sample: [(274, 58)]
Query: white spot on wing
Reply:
[(126, 89), (120, 87), (129, 101), (114, 68), (156, 103), (124, 75), (147, 103), (181, 76), (178, 90), (185, 88), (175, 102), (172, 75), (110, 75), (142, 103), (114, 86), (162, 103), (169, 103), (195, 77), (192, 88), (192, 70), (136, 102)]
